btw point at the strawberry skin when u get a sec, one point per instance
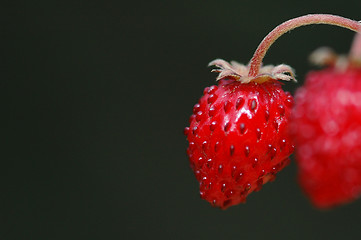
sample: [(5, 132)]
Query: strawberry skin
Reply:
[(326, 125), (238, 139)]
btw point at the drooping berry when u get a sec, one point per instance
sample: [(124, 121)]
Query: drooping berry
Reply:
[(326, 125), (233, 137), (239, 129)]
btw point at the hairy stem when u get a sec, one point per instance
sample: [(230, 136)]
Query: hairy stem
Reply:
[(266, 43), (355, 52)]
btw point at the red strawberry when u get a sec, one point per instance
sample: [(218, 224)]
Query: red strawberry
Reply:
[(326, 124), (238, 137)]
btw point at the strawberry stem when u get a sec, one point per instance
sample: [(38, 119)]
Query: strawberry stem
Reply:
[(266, 43), (355, 52)]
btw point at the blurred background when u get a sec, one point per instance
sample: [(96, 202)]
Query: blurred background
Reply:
[(94, 99)]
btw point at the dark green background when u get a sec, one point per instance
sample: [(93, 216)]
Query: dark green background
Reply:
[(94, 99)]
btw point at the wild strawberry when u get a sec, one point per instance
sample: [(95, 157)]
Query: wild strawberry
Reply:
[(238, 138), (326, 124)]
